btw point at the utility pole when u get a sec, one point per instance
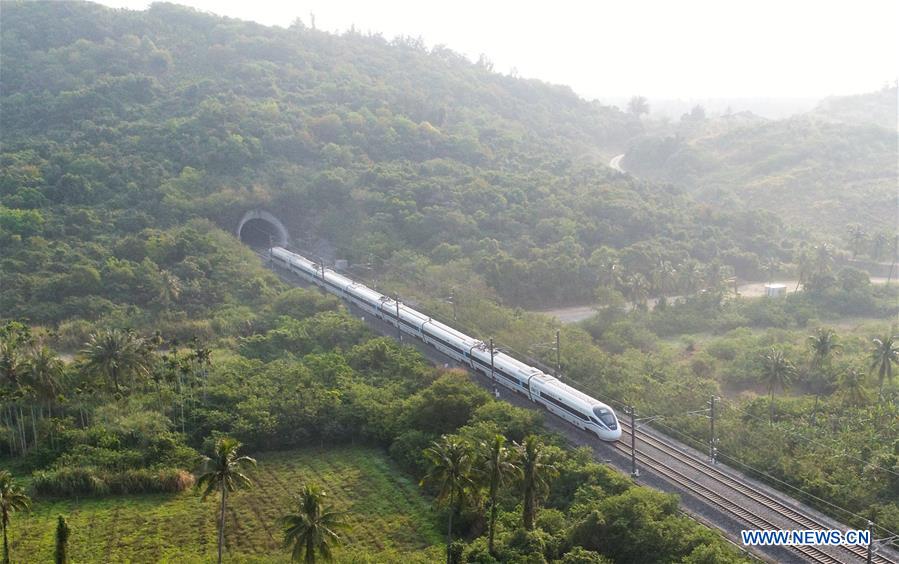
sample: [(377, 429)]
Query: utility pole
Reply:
[(713, 441), (558, 355), (492, 381), (453, 300), (632, 411), (399, 331), (870, 557)]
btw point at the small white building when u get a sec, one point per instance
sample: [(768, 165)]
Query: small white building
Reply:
[(774, 290)]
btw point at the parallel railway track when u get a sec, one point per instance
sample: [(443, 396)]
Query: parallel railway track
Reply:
[(727, 504), (729, 493)]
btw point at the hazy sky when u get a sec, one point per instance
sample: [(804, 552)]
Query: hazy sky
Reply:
[(658, 48)]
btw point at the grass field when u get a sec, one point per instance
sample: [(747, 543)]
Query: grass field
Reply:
[(387, 516)]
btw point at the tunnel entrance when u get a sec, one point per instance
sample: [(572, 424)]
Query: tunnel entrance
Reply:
[(260, 229)]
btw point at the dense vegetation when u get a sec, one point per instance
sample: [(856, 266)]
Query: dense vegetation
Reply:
[(821, 170), (115, 122), (824, 430), (307, 374), (132, 141)]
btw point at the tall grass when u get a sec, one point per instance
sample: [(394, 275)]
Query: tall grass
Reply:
[(86, 482)]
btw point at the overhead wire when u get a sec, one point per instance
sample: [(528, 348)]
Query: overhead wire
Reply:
[(700, 442)]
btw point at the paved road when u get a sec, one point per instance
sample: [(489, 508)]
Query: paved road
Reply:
[(615, 163)]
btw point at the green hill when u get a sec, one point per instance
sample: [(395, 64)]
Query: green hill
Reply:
[(814, 173), (116, 121)]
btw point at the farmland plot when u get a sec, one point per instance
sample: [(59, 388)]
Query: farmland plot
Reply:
[(387, 516)]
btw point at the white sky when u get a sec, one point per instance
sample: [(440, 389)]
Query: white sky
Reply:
[(657, 48)]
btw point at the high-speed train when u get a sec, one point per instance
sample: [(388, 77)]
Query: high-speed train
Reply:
[(574, 406)]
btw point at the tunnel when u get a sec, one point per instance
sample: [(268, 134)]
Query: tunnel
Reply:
[(260, 229)]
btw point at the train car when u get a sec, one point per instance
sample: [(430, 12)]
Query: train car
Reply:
[(572, 405)]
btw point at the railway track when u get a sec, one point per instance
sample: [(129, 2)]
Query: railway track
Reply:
[(727, 503), (730, 493)]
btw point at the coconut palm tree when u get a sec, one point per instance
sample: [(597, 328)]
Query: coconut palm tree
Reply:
[(224, 473), (823, 344), (804, 267), (884, 354), (497, 464), (44, 369), (777, 371), (12, 499), (313, 528), (852, 384), (637, 288), (115, 354), (449, 460), (536, 473)]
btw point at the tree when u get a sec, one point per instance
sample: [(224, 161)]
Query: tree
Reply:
[(852, 384), (496, 465), (884, 354), (536, 473), (62, 541), (449, 461), (638, 105), (115, 354), (223, 473), (12, 499), (43, 370), (313, 528), (823, 345), (776, 371)]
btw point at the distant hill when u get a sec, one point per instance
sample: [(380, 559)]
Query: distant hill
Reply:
[(815, 173), (874, 108)]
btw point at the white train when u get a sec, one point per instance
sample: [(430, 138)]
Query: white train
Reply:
[(570, 404)]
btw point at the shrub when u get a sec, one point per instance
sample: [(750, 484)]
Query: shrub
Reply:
[(86, 481)]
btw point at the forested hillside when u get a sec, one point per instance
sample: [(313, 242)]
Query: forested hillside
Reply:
[(115, 122), (823, 170)]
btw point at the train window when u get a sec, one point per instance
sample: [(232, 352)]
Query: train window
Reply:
[(605, 415)]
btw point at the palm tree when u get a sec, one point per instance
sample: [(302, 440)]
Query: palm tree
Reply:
[(690, 277), (776, 371), (536, 475), (450, 463), (852, 383), (637, 288), (223, 473), (313, 528), (823, 260), (44, 370), (496, 465), (804, 267), (12, 499), (885, 353), (823, 345), (115, 354)]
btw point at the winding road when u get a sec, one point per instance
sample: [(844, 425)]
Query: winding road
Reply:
[(615, 163)]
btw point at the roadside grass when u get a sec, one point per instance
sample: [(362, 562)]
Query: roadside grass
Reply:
[(387, 517)]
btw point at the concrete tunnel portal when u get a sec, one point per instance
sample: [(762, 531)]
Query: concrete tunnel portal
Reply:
[(259, 229)]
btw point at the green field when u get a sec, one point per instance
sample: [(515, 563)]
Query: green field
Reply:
[(386, 514)]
